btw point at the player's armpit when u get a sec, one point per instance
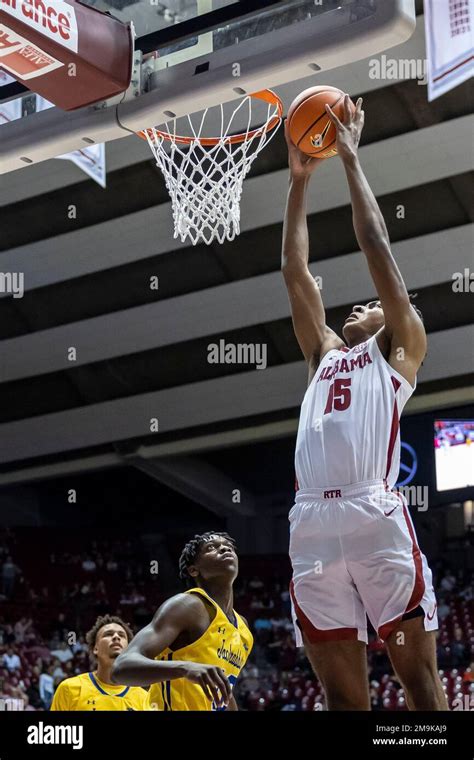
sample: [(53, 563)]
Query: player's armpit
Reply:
[(331, 342), (404, 347)]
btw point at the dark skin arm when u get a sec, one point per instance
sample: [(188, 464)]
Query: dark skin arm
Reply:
[(314, 337), (179, 621), (403, 338)]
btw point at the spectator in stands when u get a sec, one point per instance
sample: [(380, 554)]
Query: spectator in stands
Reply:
[(101, 590), (62, 653), (255, 584), (58, 671), (256, 603), (88, 565), (7, 635), (131, 596), (74, 592), (46, 687), (290, 707), (9, 574), (33, 693), (288, 654), (111, 564), (21, 628), (375, 698), (11, 660), (79, 645), (448, 582), (286, 601), (43, 598), (468, 592), (31, 595), (262, 623), (443, 609), (268, 603), (469, 673), (458, 648), (250, 681)]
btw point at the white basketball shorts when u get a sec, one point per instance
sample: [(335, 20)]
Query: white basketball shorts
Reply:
[(354, 553)]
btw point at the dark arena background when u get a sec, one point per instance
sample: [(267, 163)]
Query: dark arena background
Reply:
[(150, 387)]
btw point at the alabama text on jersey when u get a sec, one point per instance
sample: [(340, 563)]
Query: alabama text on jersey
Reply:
[(349, 424)]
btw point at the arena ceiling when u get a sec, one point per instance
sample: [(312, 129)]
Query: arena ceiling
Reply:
[(143, 353)]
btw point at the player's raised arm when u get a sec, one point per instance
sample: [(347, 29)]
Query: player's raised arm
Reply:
[(309, 319), (403, 327), (137, 666)]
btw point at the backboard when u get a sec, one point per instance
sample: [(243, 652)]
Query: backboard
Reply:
[(153, 15), (195, 54)]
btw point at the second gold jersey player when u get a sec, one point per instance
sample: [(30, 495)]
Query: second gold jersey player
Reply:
[(95, 691), (193, 651)]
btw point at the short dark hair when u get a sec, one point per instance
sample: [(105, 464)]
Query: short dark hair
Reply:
[(191, 551), (412, 296), (91, 636)]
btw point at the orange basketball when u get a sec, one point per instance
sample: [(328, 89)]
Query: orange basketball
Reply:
[(311, 129)]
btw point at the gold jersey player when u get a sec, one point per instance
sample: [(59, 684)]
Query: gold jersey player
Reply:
[(194, 649), (353, 548), (95, 691)]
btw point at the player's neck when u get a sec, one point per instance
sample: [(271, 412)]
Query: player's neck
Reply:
[(104, 673), (356, 341), (222, 593)]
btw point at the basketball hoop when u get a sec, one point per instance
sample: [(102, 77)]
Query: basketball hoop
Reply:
[(204, 175)]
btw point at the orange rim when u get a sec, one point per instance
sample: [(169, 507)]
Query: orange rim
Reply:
[(267, 95)]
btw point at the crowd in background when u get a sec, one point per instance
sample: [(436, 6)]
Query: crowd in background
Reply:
[(44, 617)]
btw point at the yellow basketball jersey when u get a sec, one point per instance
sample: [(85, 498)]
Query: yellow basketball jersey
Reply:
[(87, 692), (222, 644)]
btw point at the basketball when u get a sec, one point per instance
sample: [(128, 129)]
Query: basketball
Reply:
[(311, 129)]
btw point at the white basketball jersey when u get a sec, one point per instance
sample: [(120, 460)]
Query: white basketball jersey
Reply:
[(349, 424)]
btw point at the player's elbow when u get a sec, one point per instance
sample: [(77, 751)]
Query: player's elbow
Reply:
[(293, 269), (374, 242)]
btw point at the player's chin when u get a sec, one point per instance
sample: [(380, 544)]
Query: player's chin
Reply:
[(348, 330), (229, 566)]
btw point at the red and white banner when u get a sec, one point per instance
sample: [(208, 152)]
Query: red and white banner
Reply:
[(53, 18), (21, 58), (449, 30)]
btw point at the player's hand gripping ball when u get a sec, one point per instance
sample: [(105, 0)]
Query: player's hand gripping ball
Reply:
[(309, 124)]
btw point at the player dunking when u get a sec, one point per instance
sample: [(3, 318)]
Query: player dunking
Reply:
[(194, 649), (352, 544)]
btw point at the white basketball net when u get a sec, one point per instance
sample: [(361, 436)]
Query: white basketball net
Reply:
[(205, 182)]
